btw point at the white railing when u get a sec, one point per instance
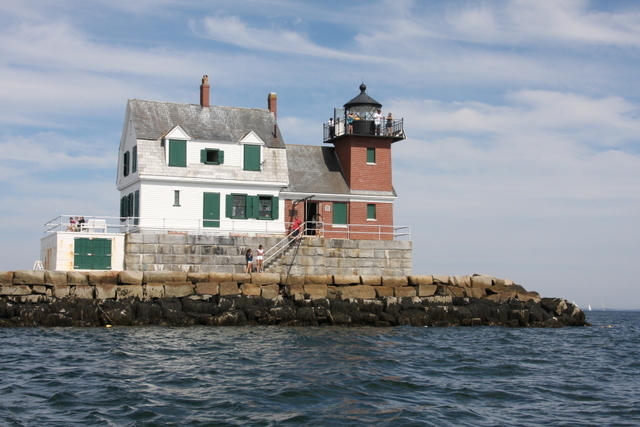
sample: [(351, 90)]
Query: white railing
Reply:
[(111, 224)]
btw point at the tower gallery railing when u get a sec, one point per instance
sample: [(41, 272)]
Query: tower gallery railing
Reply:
[(340, 127)]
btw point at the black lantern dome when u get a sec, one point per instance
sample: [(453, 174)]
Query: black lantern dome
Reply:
[(363, 105)]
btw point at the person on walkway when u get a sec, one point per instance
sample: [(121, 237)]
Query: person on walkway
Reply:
[(259, 259), (378, 119), (389, 124), (318, 225), (249, 257), (297, 228)]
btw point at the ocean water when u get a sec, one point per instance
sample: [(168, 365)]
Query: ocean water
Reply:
[(267, 376)]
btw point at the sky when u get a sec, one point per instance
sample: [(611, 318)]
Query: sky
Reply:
[(522, 157)]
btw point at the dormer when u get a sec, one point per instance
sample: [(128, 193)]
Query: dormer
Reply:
[(252, 151), (175, 147)]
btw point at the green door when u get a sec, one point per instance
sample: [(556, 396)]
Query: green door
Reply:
[(92, 254), (252, 157), (211, 210)]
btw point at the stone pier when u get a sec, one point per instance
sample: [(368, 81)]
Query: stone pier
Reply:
[(100, 298)]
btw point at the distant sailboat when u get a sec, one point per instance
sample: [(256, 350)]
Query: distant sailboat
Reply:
[(603, 307), (589, 307)]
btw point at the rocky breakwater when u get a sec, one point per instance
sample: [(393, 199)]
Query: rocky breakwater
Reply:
[(101, 298)]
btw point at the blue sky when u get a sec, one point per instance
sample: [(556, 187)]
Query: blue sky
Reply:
[(523, 117)]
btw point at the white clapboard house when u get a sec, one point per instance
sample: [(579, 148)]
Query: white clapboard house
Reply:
[(199, 167)]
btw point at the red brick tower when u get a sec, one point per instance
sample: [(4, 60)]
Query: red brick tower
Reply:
[(362, 137)]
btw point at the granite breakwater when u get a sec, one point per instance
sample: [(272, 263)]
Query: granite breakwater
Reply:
[(103, 298)]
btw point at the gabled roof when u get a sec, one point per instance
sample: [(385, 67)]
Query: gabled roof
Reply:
[(315, 170), (153, 119)]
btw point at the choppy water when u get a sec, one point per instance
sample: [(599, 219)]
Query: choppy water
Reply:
[(200, 376)]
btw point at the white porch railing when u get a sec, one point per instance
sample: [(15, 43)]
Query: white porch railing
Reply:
[(111, 224)]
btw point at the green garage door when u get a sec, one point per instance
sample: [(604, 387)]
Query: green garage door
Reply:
[(92, 254)]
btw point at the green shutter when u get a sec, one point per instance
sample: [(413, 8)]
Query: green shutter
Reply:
[(274, 208), (130, 204), (177, 153), (203, 156), (252, 157), (211, 209), (339, 213), (253, 207), (228, 211), (136, 206), (221, 157), (134, 159)]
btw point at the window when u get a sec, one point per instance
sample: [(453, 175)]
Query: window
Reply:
[(177, 153), (127, 206), (239, 206), (134, 159), (340, 213), (252, 157), (265, 207), (371, 211), (243, 206), (176, 198), (371, 155), (212, 156), (125, 164)]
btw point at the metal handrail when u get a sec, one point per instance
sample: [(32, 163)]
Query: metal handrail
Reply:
[(279, 247)]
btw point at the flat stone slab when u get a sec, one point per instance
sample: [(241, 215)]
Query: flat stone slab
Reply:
[(28, 277), (83, 291), (131, 277), (270, 291), (52, 278), (130, 291), (316, 291), (178, 289), (153, 290), (229, 288), (359, 291), (106, 291), (207, 288), (15, 290)]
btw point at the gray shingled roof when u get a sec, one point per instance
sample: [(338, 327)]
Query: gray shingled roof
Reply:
[(153, 119), (315, 169)]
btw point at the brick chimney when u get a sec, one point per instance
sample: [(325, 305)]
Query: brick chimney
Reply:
[(204, 92), (272, 104)]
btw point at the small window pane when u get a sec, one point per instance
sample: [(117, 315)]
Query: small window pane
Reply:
[(239, 206), (371, 211), (176, 198), (134, 159), (125, 164), (265, 207), (371, 155)]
